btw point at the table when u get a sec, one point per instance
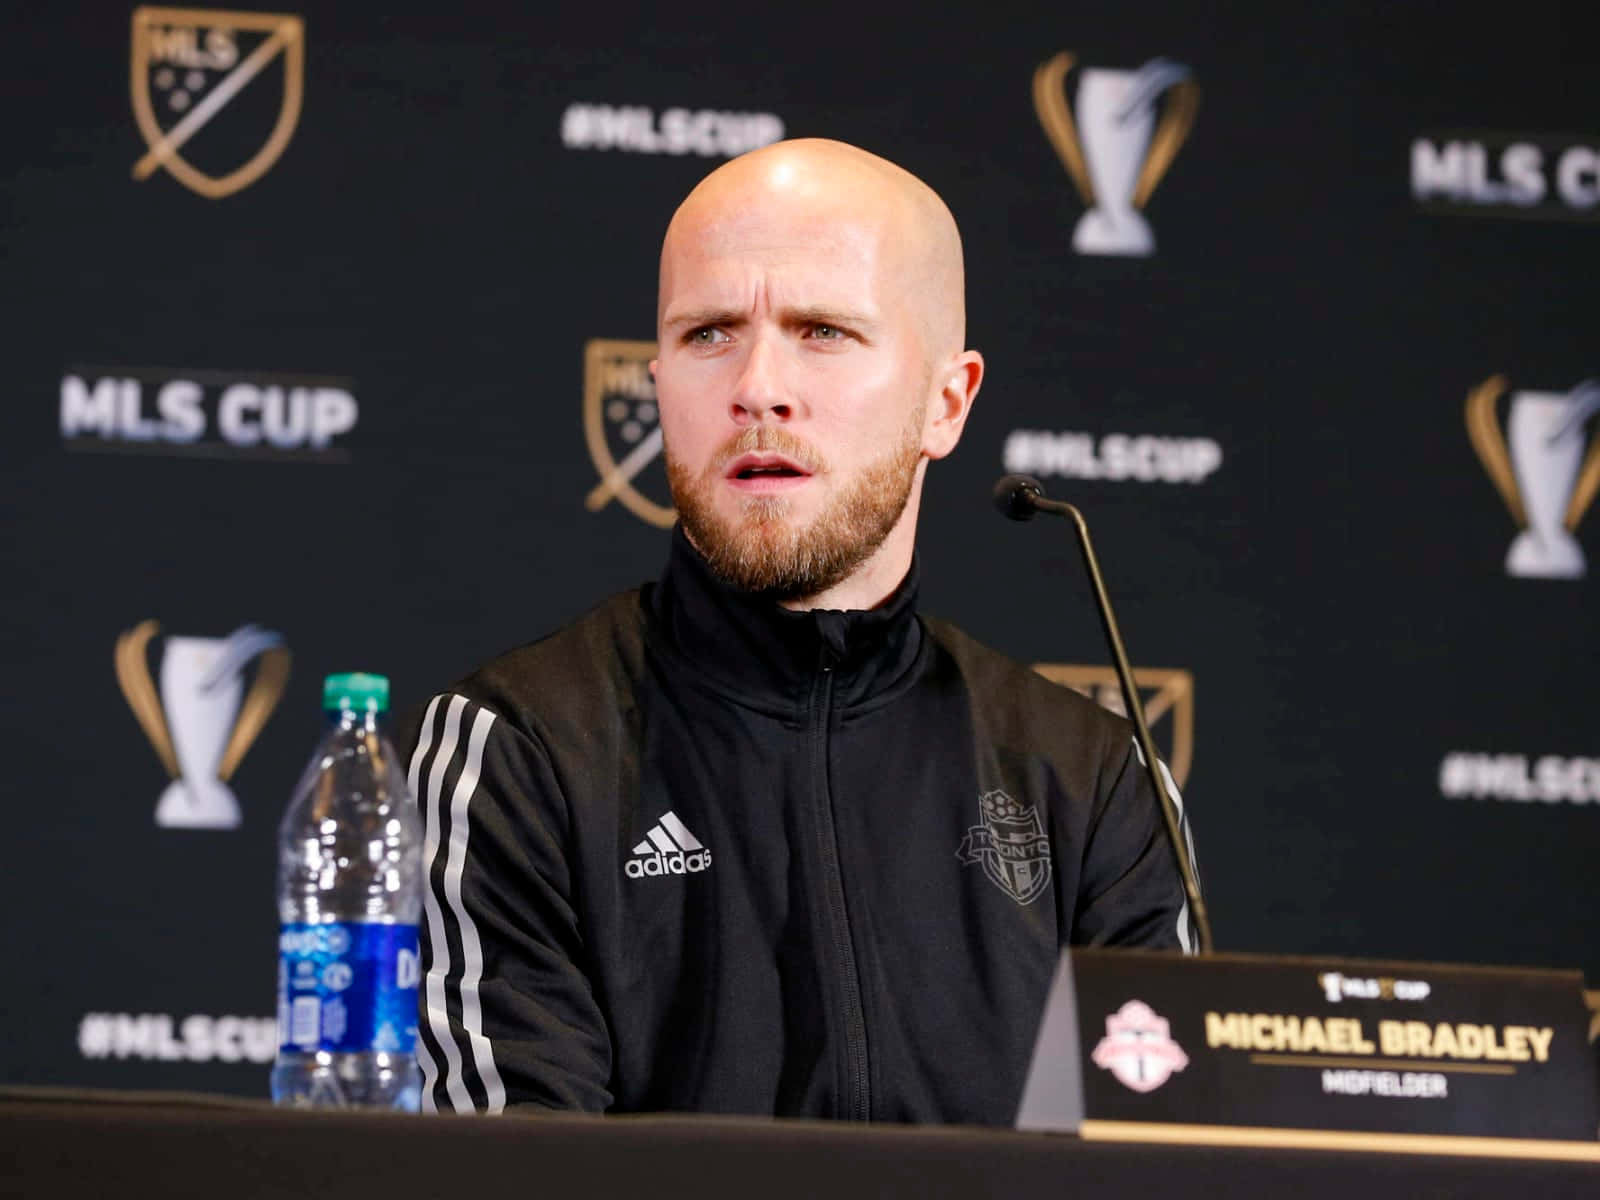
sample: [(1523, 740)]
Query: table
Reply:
[(64, 1144)]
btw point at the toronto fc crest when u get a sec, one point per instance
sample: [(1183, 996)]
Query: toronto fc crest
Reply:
[(1011, 845), (1138, 1048)]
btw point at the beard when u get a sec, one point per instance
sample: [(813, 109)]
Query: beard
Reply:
[(762, 550)]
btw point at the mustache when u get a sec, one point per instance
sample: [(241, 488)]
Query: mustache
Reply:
[(768, 439)]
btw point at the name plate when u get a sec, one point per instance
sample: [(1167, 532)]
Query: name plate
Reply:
[(1328, 1044)]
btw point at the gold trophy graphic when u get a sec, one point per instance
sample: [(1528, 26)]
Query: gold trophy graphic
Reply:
[(1541, 470), (197, 725), (1117, 150)]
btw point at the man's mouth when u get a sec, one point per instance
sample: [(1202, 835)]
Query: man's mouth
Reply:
[(764, 472)]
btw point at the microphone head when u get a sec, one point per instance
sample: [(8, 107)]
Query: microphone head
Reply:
[(1014, 495)]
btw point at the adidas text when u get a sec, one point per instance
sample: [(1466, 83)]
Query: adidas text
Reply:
[(668, 864)]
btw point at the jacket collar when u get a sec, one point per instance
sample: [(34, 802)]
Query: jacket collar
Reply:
[(753, 649)]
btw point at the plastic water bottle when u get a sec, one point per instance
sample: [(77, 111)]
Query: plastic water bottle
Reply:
[(349, 894)]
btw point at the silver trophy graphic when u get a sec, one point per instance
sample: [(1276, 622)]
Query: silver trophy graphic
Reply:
[(1116, 150), (1541, 470), (198, 726)]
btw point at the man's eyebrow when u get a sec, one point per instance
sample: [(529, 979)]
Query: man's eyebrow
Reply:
[(703, 316), (819, 314)]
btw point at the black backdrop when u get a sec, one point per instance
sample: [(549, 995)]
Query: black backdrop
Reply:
[(451, 224)]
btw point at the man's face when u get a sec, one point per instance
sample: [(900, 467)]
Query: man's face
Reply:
[(793, 383)]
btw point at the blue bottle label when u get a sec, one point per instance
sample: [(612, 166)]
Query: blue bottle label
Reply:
[(347, 987)]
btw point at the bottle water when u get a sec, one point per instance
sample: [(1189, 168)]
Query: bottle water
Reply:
[(349, 894)]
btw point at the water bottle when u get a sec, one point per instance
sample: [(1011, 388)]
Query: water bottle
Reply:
[(349, 894)]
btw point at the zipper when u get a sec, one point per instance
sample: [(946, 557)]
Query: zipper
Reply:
[(857, 1100)]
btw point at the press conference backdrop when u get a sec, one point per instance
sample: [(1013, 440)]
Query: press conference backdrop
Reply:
[(325, 340)]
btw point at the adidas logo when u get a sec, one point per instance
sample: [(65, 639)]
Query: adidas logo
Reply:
[(668, 849)]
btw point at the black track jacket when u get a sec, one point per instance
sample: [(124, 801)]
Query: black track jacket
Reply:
[(700, 852)]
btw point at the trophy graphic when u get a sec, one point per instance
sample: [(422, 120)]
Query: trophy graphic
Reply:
[(1541, 470), (1117, 150), (198, 727)]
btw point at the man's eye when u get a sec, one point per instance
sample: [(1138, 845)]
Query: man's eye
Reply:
[(827, 333), (706, 335)]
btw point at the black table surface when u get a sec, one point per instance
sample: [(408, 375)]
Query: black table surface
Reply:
[(57, 1143)]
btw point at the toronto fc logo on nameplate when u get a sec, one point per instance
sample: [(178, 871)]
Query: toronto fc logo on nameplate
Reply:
[(1138, 1048), (216, 94), (1011, 846), (203, 721), (1116, 141), (1545, 467), (622, 428)]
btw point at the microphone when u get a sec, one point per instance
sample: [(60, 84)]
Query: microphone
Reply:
[(1016, 495), (1019, 497)]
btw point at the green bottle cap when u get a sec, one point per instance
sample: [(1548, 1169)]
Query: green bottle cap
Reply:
[(357, 692)]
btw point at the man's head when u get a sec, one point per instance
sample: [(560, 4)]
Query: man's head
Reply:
[(811, 319)]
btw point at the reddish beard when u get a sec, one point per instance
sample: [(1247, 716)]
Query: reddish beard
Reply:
[(762, 549)]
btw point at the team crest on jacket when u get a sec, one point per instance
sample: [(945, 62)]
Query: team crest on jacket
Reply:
[(1011, 845), (1138, 1048)]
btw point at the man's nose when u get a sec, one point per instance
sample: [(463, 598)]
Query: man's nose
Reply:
[(761, 393)]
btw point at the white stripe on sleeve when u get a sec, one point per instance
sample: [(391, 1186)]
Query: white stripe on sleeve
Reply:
[(1185, 939), (430, 1071), (438, 1015), (471, 947)]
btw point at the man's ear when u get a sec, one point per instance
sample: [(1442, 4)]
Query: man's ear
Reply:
[(959, 379)]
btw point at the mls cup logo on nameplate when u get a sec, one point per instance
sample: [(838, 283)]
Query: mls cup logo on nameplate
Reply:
[(197, 726), (1162, 690), (622, 426), (203, 93), (1542, 468), (1118, 147)]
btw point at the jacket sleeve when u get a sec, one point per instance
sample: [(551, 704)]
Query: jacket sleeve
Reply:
[(1130, 891), (507, 1014)]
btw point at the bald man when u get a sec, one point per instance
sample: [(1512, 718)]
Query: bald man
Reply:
[(761, 838)]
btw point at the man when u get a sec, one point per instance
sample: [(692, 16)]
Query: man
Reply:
[(759, 838)]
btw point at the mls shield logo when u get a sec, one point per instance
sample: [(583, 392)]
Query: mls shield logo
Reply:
[(189, 66), (1164, 691), (1011, 846), (622, 427), (1138, 1048)]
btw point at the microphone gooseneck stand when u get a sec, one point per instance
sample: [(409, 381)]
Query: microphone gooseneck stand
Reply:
[(1019, 498)]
